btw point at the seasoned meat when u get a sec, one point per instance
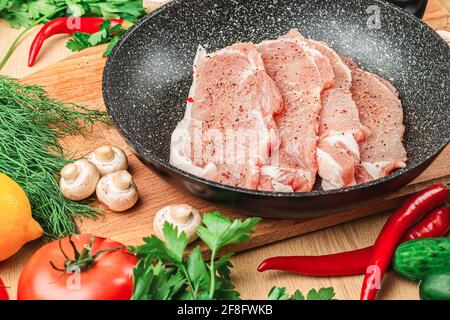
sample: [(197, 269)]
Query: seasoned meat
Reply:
[(228, 129), (301, 74), (381, 111), (340, 127)]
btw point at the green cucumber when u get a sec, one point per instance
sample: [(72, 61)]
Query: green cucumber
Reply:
[(417, 258), (436, 286)]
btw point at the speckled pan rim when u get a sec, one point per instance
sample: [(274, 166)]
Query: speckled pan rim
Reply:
[(263, 194)]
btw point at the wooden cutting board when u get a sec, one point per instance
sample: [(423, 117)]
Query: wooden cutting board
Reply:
[(78, 79)]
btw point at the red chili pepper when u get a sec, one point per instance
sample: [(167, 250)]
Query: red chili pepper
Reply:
[(435, 224), (391, 234), (68, 25), (3, 292)]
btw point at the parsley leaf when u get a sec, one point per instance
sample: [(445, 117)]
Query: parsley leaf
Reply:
[(106, 34), (78, 42), (111, 45), (39, 8), (277, 293), (224, 266), (220, 231), (197, 271), (322, 294), (155, 281), (169, 251), (224, 290), (3, 4), (98, 37), (175, 244), (297, 295), (16, 14), (75, 9)]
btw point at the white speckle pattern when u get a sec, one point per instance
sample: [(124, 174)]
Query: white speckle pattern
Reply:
[(148, 75)]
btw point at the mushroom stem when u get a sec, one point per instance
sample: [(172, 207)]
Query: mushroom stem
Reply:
[(79, 179), (108, 159), (104, 153), (117, 191), (181, 214), (121, 180), (70, 172)]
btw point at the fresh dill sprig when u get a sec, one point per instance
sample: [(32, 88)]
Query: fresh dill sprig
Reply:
[(31, 125)]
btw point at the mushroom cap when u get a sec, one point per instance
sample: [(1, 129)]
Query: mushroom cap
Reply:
[(79, 179), (108, 159), (185, 217), (117, 191)]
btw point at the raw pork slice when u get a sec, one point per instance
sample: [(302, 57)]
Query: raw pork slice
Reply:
[(381, 111), (228, 129), (340, 129), (301, 73)]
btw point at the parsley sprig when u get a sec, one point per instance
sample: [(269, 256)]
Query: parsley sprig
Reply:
[(277, 293), (166, 272), (107, 33), (217, 232), (162, 265)]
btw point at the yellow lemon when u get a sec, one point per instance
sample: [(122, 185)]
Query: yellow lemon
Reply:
[(17, 227)]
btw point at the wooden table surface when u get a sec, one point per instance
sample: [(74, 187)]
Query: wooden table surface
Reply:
[(251, 284)]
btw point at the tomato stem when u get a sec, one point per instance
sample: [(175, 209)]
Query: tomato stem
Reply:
[(83, 260)]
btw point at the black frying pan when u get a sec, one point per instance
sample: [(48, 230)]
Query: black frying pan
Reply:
[(148, 75), (416, 7)]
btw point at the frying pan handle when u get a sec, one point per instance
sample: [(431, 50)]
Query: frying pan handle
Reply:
[(416, 7)]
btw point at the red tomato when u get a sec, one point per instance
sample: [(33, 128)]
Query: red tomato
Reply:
[(3, 292), (107, 276)]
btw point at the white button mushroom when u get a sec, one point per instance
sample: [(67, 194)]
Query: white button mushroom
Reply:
[(117, 191), (108, 159), (79, 179), (183, 216)]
